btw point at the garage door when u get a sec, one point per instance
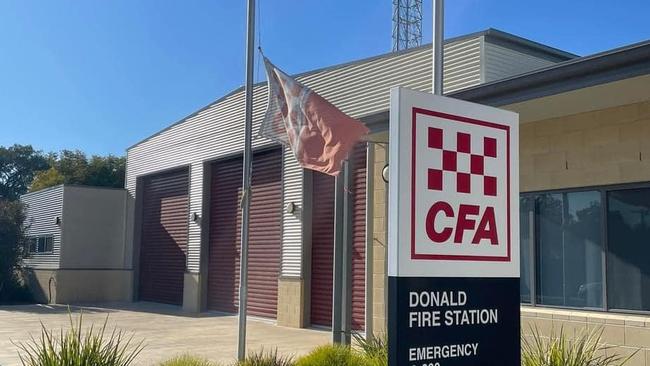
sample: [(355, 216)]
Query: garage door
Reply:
[(323, 244), (359, 240), (265, 235), (163, 246), (322, 249)]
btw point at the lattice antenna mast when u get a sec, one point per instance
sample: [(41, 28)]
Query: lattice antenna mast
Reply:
[(407, 24)]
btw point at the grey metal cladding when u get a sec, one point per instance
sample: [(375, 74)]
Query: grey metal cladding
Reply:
[(502, 62), (42, 209)]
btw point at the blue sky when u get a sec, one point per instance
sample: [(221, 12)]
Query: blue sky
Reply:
[(102, 75)]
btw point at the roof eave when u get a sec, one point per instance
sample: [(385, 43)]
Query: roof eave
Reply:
[(617, 64)]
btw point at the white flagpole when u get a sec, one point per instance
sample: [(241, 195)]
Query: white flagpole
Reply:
[(438, 44), (246, 181)]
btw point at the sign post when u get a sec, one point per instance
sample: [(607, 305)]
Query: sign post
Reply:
[(453, 261)]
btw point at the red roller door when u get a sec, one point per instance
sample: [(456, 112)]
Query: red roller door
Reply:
[(322, 249), (265, 236), (323, 244), (163, 247), (358, 190)]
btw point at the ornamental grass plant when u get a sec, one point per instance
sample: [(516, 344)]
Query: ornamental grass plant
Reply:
[(262, 358), (585, 349), (188, 360), (76, 347), (373, 348), (334, 355)]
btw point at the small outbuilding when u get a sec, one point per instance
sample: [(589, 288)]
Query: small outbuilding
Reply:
[(77, 245)]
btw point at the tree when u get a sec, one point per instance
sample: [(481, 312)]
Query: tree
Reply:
[(18, 165), (13, 247), (73, 167), (108, 171), (46, 178)]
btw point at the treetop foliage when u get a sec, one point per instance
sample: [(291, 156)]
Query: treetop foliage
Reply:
[(24, 169)]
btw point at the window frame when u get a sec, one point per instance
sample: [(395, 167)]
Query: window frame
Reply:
[(36, 238), (533, 233)]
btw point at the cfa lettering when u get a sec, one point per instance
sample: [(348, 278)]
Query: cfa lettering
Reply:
[(466, 221)]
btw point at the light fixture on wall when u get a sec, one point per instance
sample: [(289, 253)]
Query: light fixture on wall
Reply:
[(290, 208), (384, 173), (57, 221), (196, 217)]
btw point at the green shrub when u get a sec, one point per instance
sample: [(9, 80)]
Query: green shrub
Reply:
[(13, 248), (187, 360), (558, 350), (94, 347), (263, 358), (333, 355), (373, 348)]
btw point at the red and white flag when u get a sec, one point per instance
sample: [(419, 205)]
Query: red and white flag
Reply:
[(320, 135)]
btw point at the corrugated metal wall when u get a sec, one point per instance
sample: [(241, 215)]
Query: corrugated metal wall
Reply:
[(293, 179), (359, 89), (461, 65), (43, 207), (196, 206), (501, 62)]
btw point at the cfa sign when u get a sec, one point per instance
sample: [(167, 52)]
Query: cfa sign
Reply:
[(453, 232)]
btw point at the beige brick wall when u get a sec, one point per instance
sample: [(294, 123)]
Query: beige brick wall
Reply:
[(606, 146), (379, 242), (625, 334), (291, 300)]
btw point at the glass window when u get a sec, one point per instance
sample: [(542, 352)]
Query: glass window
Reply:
[(41, 244), (628, 245), (526, 209), (48, 245), (569, 251)]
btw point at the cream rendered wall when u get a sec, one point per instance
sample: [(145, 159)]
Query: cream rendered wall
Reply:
[(94, 227)]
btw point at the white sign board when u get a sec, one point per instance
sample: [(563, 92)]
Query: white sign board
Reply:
[(453, 232), (454, 188)]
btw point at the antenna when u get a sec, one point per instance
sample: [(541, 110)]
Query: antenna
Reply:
[(407, 24)]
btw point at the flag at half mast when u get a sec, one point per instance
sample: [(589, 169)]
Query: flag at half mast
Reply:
[(319, 134)]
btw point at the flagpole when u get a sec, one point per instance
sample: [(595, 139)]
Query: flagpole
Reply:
[(246, 180), (438, 45)]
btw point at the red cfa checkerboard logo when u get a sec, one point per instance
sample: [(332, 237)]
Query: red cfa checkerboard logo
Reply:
[(460, 188)]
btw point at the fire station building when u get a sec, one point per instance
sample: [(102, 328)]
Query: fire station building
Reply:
[(584, 178)]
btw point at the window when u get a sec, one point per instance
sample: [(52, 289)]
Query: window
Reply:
[(587, 248), (569, 249), (41, 244), (526, 212), (628, 238)]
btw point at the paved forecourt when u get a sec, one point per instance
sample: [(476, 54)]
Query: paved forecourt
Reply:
[(165, 329)]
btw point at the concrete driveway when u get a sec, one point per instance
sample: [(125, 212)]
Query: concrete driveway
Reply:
[(165, 329)]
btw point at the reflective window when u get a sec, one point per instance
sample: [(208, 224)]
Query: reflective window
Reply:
[(41, 244), (569, 249), (628, 244), (526, 209)]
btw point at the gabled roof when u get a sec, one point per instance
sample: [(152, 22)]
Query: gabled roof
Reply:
[(492, 35)]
